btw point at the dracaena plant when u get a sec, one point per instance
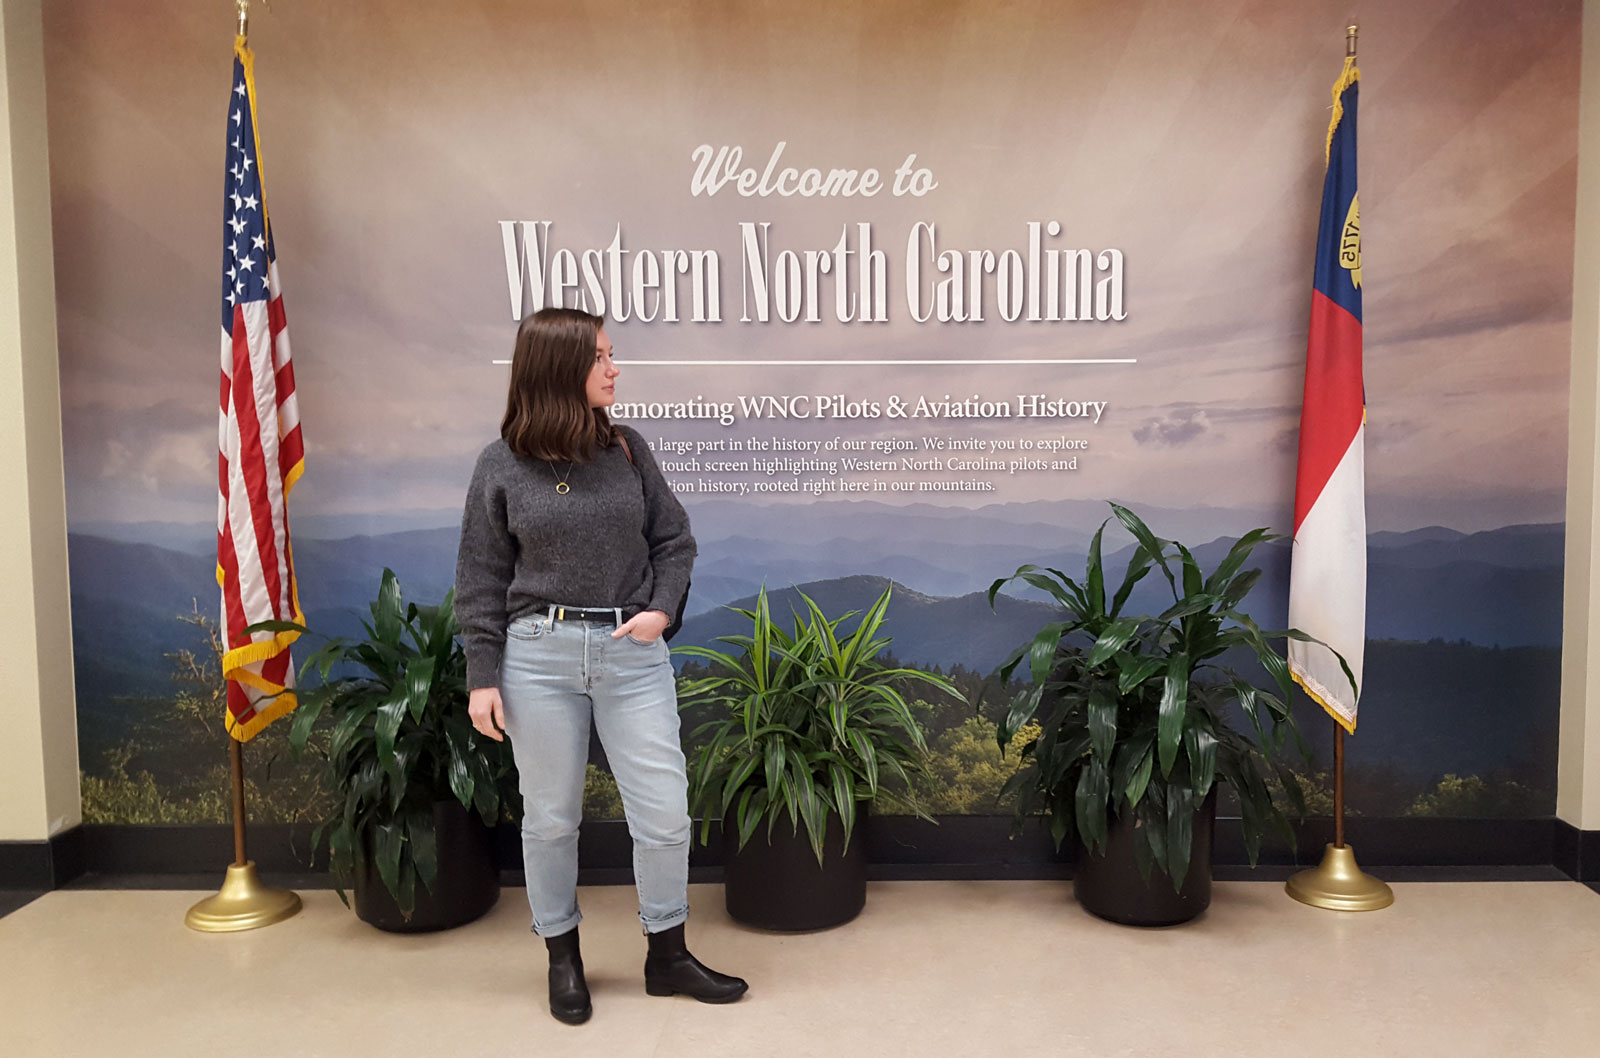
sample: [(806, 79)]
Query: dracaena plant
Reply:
[(400, 740), (1136, 711), (811, 724)]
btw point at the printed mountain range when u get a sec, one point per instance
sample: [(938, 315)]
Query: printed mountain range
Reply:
[(1462, 668)]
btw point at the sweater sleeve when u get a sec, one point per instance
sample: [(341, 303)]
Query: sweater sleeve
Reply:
[(485, 567), (666, 530)]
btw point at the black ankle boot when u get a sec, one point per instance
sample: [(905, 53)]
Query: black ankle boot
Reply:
[(569, 992), (669, 969)]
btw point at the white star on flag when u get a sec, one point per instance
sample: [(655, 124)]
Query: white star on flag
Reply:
[(250, 203)]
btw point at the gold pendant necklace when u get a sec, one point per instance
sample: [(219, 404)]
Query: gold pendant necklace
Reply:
[(562, 488)]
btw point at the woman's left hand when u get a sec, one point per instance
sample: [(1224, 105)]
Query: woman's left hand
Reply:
[(647, 626)]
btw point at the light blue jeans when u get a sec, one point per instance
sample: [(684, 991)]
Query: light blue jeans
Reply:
[(555, 676)]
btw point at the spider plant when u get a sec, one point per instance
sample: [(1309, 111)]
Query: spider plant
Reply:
[(811, 724)]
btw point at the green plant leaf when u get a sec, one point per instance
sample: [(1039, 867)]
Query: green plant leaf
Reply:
[(1174, 703), (1102, 724), (1138, 567), (388, 841), (1096, 574), (1200, 746), (1115, 636), (1042, 655), (387, 728), (1023, 708), (274, 626), (424, 846), (1140, 779), (388, 610), (738, 778), (1192, 581), (1181, 807), (1135, 669), (844, 798), (1238, 554), (1153, 547), (419, 685), (777, 751), (1239, 587), (1090, 805), (461, 781), (306, 716), (1153, 827)]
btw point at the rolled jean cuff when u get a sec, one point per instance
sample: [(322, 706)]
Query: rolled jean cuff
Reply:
[(661, 925), (565, 925)]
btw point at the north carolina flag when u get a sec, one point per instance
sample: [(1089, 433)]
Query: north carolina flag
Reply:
[(1328, 575)]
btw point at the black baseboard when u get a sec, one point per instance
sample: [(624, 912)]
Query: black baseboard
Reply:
[(43, 865), (1577, 852), (898, 847)]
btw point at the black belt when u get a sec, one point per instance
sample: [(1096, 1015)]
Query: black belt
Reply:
[(578, 613)]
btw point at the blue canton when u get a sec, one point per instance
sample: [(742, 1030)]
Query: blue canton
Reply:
[(246, 243)]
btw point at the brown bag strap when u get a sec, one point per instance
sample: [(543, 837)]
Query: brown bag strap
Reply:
[(622, 439)]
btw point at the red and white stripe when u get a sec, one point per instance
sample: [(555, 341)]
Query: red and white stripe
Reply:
[(1328, 573), (261, 458)]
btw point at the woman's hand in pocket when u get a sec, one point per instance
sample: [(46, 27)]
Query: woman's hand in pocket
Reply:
[(487, 713), (645, 626)]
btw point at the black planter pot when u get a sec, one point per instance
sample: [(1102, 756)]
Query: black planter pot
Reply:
[(467, 886), (1111, 887), (779, 885)]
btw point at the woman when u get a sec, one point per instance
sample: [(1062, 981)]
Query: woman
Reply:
[(573, 554)]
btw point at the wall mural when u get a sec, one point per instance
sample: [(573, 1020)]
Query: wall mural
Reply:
[(898, 298)]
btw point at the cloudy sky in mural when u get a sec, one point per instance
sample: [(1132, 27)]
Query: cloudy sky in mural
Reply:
[(1189, 137)]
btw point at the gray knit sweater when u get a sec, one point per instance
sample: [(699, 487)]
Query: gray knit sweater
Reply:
[(619, 538)]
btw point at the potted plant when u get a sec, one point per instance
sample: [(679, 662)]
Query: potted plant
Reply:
[(1136, 726), (418, 789), (811, 724)]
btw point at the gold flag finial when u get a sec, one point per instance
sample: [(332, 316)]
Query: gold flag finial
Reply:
[(244, 16), (1349, 38)]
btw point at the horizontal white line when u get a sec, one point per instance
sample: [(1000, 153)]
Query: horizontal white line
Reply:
[(842, 363)]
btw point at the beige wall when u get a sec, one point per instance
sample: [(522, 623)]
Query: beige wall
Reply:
[(1578, 799), (39, 792)]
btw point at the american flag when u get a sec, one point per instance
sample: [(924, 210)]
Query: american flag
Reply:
[(261, 452)]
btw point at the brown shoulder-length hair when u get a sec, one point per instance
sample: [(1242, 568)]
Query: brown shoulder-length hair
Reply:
[(547, 407)]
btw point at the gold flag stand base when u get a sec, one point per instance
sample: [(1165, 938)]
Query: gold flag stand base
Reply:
[(1339, 885), (243, 903)]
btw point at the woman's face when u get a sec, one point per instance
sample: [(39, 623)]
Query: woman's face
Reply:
[(601, 388)]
